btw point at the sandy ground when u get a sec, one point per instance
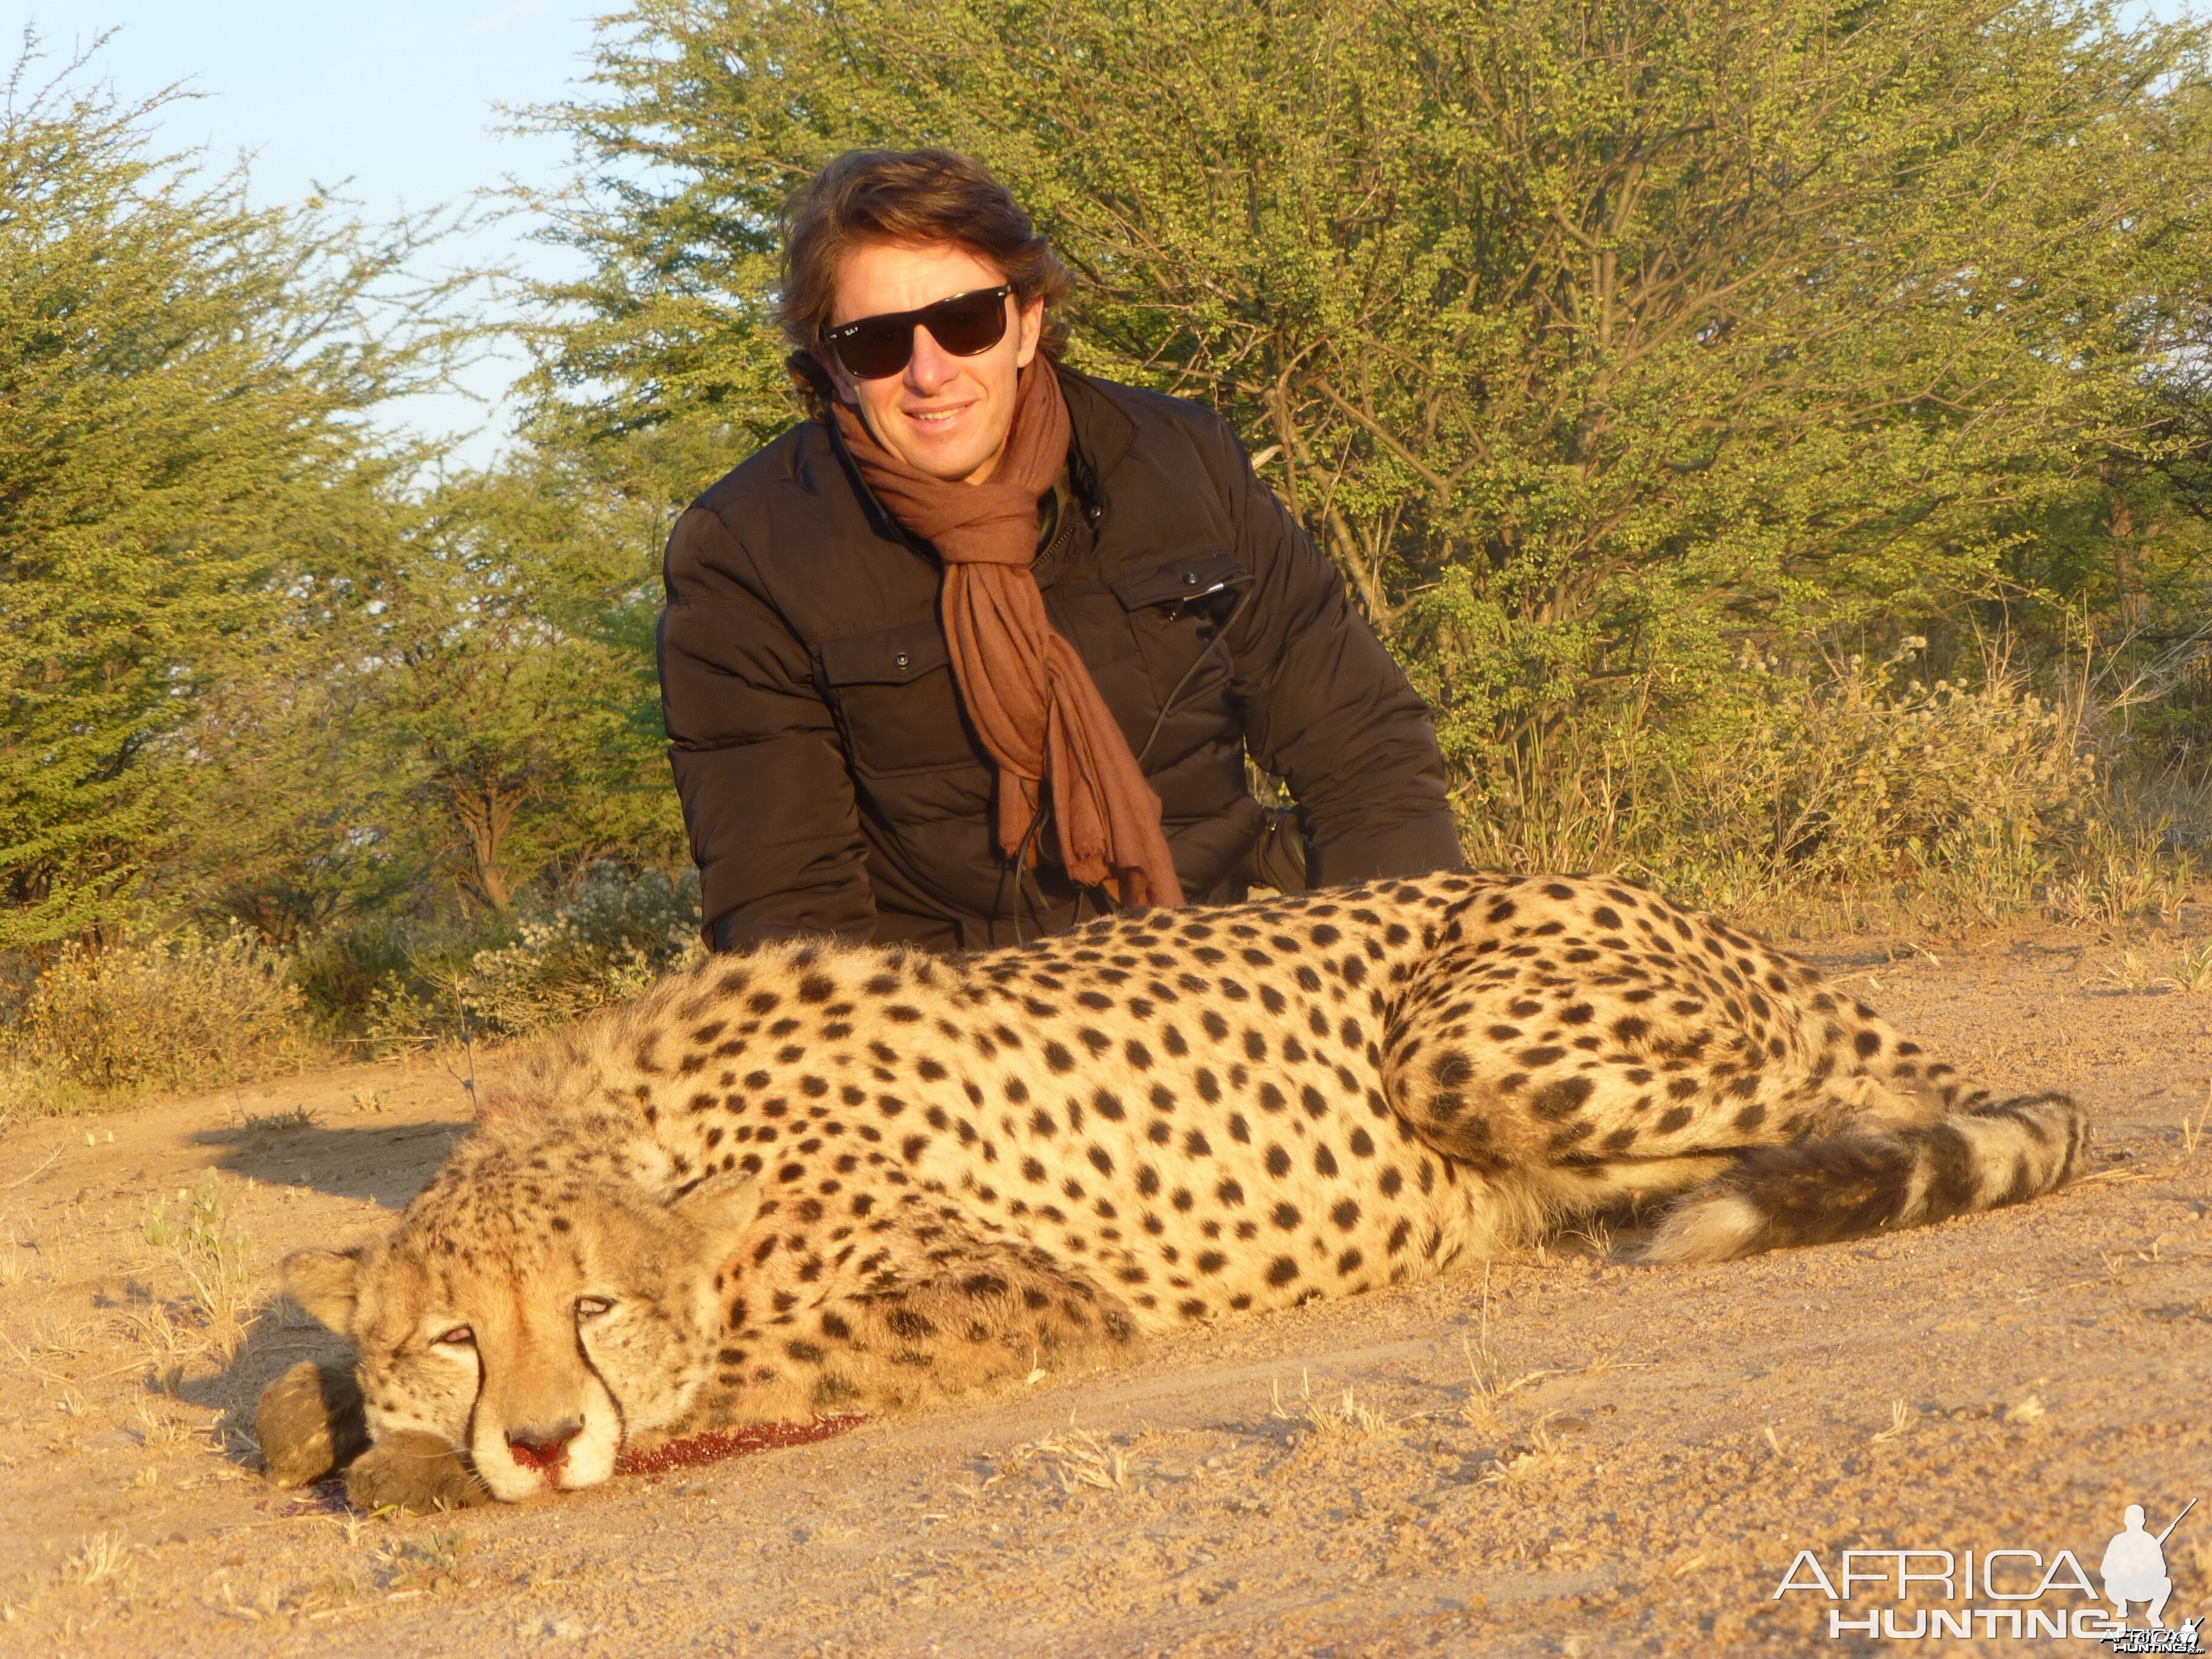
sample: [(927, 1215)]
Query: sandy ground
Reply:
[(1560, 1453)]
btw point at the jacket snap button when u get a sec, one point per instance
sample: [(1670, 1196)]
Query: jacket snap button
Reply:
[(1190, 579), (900, 661)]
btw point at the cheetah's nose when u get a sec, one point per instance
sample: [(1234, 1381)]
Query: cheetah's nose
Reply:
[(543, 1448)]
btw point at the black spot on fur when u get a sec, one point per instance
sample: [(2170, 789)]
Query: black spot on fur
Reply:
[(1561, 1099)]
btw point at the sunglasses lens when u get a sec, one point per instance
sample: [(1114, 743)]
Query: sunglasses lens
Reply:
[(963, 326), (968, 323), (876, 347)]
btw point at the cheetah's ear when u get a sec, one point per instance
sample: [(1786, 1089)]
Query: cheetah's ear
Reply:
[(725, 1204), (326, 1282)]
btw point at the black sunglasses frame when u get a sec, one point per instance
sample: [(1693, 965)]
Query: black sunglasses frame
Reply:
[(837, 339)]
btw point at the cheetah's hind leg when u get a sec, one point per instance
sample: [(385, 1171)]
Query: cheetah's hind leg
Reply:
[(1786, 1115)]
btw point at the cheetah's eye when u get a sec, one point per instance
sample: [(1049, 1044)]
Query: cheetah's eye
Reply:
[(459, 1337), (591, 1307)]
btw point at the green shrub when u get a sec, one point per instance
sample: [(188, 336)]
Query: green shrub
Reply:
[(1790, 782), (353, 975), (20, 1096), (184, 1011), (607, 943), (538, 967)]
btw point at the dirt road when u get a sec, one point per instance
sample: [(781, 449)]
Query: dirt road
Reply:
[(1563, 1453)]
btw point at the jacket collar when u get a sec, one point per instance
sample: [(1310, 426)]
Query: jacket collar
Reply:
[(1101, 433), (879, 519)]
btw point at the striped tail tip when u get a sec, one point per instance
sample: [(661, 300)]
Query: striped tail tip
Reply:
[(1824, 1192)]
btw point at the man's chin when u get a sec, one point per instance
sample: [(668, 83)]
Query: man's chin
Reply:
[(951, 457), (954, 466)]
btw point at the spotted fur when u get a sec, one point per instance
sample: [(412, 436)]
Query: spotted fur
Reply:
[(819, 1178)]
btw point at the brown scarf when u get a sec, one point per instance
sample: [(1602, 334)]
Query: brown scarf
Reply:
[(1032, 700)]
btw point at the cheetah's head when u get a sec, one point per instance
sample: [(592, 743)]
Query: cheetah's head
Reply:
[(535, 1321)]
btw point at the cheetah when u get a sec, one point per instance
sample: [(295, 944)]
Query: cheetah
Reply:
[(820, 1179)]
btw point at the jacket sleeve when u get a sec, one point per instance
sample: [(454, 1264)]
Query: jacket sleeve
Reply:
[(1325, 708), (759, 765)]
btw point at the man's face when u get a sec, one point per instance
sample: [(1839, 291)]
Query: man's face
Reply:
[(943, 416)]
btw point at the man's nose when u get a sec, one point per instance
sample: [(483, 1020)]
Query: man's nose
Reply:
[(542, 1447), (932, 365)]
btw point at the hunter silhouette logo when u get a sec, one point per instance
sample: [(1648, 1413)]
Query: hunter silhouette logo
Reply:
[(2134, 1568), (2021, 1594)]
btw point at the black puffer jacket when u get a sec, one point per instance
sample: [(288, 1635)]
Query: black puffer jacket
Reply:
[(830, 778)]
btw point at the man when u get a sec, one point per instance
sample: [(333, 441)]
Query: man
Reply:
[(979, 652)]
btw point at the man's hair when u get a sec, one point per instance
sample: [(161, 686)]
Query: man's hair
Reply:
[(918, 196)]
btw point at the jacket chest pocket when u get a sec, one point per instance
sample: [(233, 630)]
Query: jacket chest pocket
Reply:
[(1176, 612), (895, 699)]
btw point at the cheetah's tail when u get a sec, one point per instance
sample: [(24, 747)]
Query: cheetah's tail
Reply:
[(1822, 1191)]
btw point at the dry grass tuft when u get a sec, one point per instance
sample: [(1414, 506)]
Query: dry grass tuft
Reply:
[(270, 1123), (2193, 1129), (2132, 973), (1077, 1459), (1483, 1364), (1900, 1421), (2191, 971), (17, 1255), (2187, 974), (212, 1258), (101, 1556), (1343, 1418), (2120, 871), (1486, 1369), (158, 1433), (1595, 1236), (22, 1092), (1531, 1458)]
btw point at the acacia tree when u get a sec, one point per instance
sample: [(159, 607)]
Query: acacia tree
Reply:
[(514, 690), (183, 380)]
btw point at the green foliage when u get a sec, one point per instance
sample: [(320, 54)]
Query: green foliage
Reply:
[(606, 944), (533, 969), (182, 383), (1608, 348), (1773, 434), (1832, 776), (519, 698)]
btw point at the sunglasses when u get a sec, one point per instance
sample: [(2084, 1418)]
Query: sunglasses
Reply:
[(964, 324)]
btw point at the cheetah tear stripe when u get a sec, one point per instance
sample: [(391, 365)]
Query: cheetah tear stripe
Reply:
[(819, 1180)]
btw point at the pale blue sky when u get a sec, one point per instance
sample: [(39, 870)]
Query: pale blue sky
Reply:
[(397, 95)]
